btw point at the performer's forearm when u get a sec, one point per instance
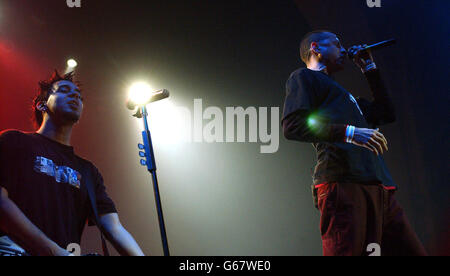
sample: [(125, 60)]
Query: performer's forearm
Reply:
[(301, 128), (124, 243), (382, 108), (15, 224)]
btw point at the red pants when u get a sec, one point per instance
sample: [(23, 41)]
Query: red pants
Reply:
[(355, 215)]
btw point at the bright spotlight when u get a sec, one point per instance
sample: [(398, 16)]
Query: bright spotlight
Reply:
[(140, 93), (71, 63)]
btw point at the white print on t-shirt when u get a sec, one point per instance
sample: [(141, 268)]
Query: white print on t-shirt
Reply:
[(62, 174), (354, 101)]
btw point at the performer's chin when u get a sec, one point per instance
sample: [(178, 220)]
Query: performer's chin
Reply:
[(72, 118)]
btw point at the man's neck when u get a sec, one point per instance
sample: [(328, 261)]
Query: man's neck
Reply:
[(58, 133), (318, 66)]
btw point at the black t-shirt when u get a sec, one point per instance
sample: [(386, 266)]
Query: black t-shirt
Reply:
[(312, 97), (43, 179)]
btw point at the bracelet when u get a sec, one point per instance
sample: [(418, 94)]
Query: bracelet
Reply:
[(369, 67), (349, 132)]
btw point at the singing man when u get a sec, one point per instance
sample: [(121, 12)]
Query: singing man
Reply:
[(352, 186)]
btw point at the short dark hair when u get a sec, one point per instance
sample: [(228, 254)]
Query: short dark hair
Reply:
[(305, 45), (44, 93)]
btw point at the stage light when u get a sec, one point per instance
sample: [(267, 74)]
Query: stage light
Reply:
[(71, 63), (162, 113), (140, 93)]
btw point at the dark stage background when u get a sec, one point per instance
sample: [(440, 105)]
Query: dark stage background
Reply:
[(227, 198)]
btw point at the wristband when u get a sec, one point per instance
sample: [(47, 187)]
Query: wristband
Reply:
[(349, 132), (369, 67)]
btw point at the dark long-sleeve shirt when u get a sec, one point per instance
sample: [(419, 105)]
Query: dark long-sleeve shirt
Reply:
[(317, 110)]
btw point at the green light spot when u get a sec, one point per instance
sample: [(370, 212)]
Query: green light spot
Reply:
[(312, 122)]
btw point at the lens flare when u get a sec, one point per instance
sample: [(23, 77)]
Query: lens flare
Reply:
[(169, 124), (312, 122), (140, 93)]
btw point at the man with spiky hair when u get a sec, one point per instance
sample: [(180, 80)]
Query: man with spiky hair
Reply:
[(44, 204), (352, 186)]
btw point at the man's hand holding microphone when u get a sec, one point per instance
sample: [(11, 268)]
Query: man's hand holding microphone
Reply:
[(371, 139)]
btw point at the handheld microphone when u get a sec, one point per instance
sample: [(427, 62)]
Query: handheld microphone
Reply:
[(375, 46)]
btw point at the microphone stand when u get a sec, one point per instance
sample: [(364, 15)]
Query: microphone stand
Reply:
[(151, 167)]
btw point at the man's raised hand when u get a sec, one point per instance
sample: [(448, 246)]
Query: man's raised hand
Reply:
[(371, 139)]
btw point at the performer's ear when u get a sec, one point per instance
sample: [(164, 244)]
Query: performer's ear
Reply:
[(315, 48), (42, 106)]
